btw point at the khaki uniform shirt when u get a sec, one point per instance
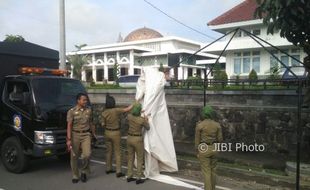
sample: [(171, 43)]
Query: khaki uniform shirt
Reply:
[(136, 124), (208, 131), (110, 118), (81, 118)]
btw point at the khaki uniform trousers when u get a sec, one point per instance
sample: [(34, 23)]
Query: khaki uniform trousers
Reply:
[(135, 146), (80, 142), (113, 143), (208, 164)]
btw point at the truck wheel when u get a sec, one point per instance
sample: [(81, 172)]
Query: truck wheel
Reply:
[(13, 157)]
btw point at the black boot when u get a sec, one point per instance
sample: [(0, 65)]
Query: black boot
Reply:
[(110, 171), (140, 181), (83, 177), (118, 175), (130, 179), (75, 180)]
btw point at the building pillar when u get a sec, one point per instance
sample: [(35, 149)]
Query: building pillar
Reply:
[(105, 66), (94, 73), (180, 73), (185, 73), (131, 63), (118, 57), (83, 78)]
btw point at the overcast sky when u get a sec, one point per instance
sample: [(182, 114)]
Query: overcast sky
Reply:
[(96, 22)]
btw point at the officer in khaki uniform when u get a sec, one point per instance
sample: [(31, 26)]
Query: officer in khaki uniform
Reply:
[(135, 142), (306, 102), (79, 129), (208, 132), (110, 121)]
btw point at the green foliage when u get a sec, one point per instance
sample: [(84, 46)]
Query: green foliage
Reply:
[(220, 77), (217, 72), (103, 86), (290, 17), (274, 73), (13, 38), (116, 72), (237, 80), (253, 75), (92, 82), (161, 67), (193, 81), (136, 110), (207, 112), (77, 62)]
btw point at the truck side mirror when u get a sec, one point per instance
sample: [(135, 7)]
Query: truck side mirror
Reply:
[(26, 98)]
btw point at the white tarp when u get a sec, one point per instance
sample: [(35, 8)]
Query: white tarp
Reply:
[(158, 141)]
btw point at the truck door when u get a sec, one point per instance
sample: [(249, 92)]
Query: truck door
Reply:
[(17, 106)]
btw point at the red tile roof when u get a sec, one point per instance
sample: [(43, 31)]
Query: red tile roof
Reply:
[(242, 12)]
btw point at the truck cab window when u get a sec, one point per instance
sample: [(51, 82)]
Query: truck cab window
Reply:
[(17, 94)]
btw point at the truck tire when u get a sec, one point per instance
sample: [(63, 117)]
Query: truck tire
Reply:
[(12, 155)]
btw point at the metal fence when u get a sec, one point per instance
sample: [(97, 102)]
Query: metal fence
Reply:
[(236, 84)]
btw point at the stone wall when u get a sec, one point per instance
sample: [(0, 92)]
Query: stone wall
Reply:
[(266, 117)]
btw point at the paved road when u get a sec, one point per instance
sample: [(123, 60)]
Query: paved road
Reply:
[(51, 174)]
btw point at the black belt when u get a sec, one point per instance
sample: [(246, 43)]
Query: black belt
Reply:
[(82, 131), (134, 135), (109, 129)]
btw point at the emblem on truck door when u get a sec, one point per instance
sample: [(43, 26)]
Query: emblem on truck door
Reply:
[(17, 120)]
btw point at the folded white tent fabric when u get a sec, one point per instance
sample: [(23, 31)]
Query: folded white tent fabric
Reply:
[(158, 141)]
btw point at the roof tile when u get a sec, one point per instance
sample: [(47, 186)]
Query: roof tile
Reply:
[(242, 12)]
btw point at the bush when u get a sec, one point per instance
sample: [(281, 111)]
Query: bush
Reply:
[(253, 76), (161, 67), (193, 81), (220, 77), (91, 82), (274, 73), (237, 80)]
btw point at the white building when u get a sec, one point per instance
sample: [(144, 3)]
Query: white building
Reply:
[(244, 54), (142, 47)]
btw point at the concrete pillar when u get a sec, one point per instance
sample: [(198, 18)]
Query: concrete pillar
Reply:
[(118, 59), (105, 66), (131, 63), (83, 75), (94, 73), (180, 73)]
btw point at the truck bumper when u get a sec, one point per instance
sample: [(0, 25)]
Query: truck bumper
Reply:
[(48, 150)]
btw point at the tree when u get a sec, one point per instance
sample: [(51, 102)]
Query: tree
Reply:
[(13, 38), (161, 67), (220, 77), (116, 72), (253, 76), (274, 73), (77, 61), (290, 17)]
